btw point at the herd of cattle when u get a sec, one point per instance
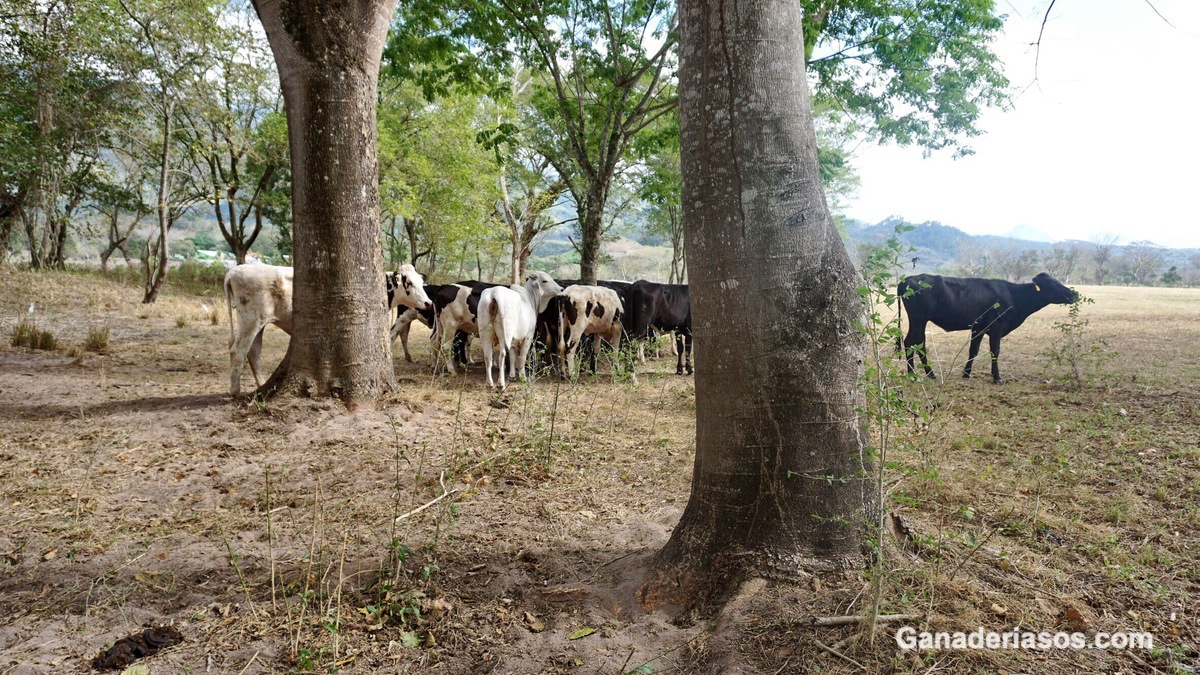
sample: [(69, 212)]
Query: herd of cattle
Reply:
[(559, 317)]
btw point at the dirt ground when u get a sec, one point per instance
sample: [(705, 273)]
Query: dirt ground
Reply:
[(456, 531)]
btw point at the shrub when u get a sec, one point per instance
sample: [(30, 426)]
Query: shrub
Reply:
[(26, 334), (198, 278), (97, 339)]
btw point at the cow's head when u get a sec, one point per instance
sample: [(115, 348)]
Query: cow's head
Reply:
[(1054, 291), (407, 287), (390, 279), (543, 287)]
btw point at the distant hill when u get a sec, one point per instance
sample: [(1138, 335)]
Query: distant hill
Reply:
[(940, 249)]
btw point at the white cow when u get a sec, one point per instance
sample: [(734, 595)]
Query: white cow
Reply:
[(587, 310), (507, 320), (263, 296)]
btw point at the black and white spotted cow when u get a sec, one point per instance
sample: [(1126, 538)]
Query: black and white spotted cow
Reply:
[(586, 310), (406, 317), (455, 310), (406, 288)]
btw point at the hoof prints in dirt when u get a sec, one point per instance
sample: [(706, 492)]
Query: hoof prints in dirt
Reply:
[(129, 649)]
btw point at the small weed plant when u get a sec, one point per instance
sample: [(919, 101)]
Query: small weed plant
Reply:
[(891, 398), (1076, 357)]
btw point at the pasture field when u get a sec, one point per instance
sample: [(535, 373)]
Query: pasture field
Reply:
[(457, 531)]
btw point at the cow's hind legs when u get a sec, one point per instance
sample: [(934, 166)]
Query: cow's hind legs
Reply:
[(249, 335), (255, 358), (683, 347)]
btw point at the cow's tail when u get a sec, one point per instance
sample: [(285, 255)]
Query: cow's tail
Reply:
[(229, 307), (561, 346), (493, 313), (901, 290)]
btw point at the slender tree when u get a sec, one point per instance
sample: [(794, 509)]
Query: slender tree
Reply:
[(601, 81), (172, 40), (1102, 246), (237, 93), (61, 95), (781, 483), (328, 58), (527, 191), (120, 193)]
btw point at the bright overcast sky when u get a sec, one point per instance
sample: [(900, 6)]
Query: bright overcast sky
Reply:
[(1106, 141)]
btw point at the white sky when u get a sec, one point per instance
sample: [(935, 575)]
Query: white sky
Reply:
[(1106, 141)]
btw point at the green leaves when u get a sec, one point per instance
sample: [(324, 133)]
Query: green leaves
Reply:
[(914, 72)]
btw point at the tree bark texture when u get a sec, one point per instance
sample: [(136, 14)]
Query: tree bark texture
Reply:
[(781, 484), (328, 57), (591, 232)]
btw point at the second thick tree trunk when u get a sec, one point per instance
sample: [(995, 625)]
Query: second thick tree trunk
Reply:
[(781, 484)]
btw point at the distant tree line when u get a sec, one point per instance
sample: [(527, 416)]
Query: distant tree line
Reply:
[(1099, 261)]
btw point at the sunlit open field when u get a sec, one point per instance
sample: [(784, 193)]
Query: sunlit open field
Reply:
[(458, 531)]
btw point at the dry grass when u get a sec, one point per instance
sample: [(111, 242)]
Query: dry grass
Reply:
[(97, 339), (27, 334), (132, 490)]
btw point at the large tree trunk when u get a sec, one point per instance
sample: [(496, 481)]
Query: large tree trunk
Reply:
[(10, 208), (328, 58), (781, 484)]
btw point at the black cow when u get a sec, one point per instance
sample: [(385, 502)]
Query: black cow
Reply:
[(983, 306), (665, 307), (545, 337)]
